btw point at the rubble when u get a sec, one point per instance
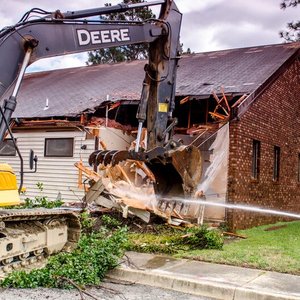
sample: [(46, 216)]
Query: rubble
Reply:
[(129, 189), (129, 186)]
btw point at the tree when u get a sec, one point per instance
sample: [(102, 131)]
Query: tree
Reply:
[(123, 53), (183, 52), (293, 32)]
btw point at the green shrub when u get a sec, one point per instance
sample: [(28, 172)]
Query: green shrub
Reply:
[(41, 200), (87, 222), (86, 265), (203, 238), (110, 221)]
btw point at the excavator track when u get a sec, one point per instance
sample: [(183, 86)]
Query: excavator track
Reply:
[(28, 236)]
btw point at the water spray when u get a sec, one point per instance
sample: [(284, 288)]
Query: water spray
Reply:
[(232, 206)]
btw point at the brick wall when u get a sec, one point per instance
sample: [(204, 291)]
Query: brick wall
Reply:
[(274, 120)]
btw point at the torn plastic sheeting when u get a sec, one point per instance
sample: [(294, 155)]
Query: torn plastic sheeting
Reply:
[(215, 173)]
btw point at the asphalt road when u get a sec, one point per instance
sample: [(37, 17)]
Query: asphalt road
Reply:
[(109, 291)]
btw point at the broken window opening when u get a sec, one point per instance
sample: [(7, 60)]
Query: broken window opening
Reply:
[(298, 167), (276, 166), (192, 113), (125, 113), (7, 148), (256, 145)]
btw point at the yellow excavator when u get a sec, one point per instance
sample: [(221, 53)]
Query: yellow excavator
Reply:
[(29, 235), (8, 186)]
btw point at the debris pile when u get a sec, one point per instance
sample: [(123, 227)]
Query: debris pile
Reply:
[(128, 187)]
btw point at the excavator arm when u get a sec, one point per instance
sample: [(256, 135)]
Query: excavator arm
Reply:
[(63, 33), (30, 235)]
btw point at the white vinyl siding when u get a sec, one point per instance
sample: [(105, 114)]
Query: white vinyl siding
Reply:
[(58, 174)]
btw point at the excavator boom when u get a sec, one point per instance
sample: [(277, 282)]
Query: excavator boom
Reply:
[(60, 33)]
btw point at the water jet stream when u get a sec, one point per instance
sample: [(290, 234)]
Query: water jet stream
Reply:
[(232, 206)]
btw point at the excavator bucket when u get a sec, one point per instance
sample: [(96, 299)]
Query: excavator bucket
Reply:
[(188, 164), (177, 170)]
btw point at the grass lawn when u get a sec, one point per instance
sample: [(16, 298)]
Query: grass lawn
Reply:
[(276, 250)]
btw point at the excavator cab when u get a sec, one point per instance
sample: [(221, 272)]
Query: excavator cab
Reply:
[(9, 189)]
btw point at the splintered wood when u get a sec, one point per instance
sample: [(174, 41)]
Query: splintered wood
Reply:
[(222, 110), (128, 187)]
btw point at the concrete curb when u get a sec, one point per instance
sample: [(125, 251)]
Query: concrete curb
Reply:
[(185, 284)]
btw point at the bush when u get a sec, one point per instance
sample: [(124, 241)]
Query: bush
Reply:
[(110, 222), (41, 200), (86, 265), (203, 238), (87, 222)]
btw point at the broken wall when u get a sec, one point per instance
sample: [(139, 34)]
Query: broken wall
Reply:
[(213, 185)]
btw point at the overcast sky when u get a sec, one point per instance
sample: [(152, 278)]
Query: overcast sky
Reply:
[(208, 25)]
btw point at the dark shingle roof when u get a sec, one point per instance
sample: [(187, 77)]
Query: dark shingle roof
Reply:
[(71, 91)]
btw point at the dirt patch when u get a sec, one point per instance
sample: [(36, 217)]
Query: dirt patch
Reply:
[(275, 227)]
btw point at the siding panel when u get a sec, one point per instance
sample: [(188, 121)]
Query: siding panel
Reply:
[(58, 174)]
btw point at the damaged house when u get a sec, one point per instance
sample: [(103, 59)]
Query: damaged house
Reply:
[(240, 107)]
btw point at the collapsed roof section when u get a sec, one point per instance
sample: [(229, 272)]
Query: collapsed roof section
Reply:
[(70, 92)]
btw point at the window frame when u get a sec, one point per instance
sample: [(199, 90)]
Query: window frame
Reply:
[(276, 164), (51, 139), (256, 151), (298, 167)]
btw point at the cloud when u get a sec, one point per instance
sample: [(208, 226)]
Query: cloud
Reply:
[(190, 6), (207, 25), (236, 23), (59, 62)]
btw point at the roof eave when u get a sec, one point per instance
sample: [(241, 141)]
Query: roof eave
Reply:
[(244, 106)]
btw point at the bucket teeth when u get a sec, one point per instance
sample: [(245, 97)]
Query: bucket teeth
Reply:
[(92, 157), (108, 157), (120, 156), (100, 157), (107, 160), (185, 162), (96, 158)]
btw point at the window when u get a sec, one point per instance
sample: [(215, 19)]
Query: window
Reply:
[(298, 167), (61, 147), (276, 167), (7, 148), (255, 159)]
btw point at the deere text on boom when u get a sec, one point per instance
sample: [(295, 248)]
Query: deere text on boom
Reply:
[(86, 37)]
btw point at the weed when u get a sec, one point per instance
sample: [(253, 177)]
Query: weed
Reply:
[(170, 240), (203, 238), (41, 200), (110, 221)]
